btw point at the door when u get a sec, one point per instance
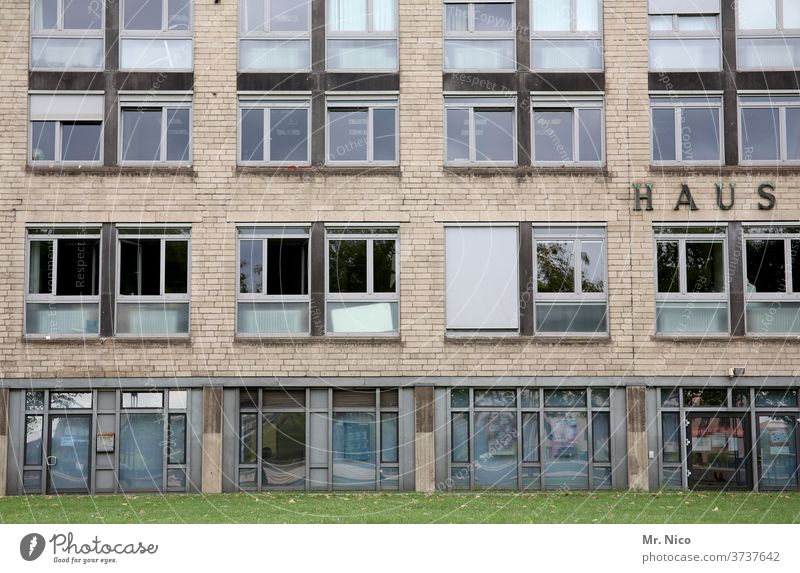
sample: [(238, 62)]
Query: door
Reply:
[(719, 450), (777, 451), (68, 453)]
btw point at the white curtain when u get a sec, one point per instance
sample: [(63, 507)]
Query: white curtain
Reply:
[(274, 55), (347, 15), (67, 53), (566, 54), (479, 55), (551, 15), (384, 15), (362, 54)]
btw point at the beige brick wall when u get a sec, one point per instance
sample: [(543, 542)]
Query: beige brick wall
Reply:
[(421, 199)]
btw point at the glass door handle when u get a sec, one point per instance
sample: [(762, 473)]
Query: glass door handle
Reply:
[(51, 461)]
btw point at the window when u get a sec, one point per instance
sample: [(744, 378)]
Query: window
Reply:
[(274, 35), (274, 131), (530, 438), (769, 129), (481, 278), (567, 132), (688, 39), (362, 132), (361, 35), (686, 130), (152, 281), (772, 291), (691, 280), (155, 131), (768, 34), (566, 35), (570, 286), (479, 36), (63, 281), (362, 281), (66, 129), (273, 297), (67, 34), (480, 131), (156, 35)]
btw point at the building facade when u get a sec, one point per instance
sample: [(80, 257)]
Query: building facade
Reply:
[(399, 245)]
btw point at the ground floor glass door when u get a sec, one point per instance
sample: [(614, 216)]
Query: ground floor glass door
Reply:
[(777, 451), (68, 460), (718, 453)]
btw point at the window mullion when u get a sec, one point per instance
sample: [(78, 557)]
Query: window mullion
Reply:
[(573, 16), (682, 266), (267, 141), (57, 142), (370, 272), (787, 254), (576, 149), (782, 145), (54, 281), (472, 151), (471, 18), (267, 19), (678, 153), (577, 267), (165, 16), (370, 150), (163, 151)]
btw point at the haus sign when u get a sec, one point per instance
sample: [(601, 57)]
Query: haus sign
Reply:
[(726, 197)]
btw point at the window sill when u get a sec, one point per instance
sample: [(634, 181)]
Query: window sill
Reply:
[(695, 338), (110, 170), (154, 340), (536, 339), (321, 170), (306, 339), (723, 169), (66, 340), (526, 171), (100, 340)]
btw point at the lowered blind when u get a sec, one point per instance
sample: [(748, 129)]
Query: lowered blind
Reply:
[(66, 107), (684, 6)]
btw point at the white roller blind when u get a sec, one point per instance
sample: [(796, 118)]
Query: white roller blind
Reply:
[(684, 6), (67, 107), (481, 280)]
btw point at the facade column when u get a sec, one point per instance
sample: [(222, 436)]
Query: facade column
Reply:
[(424, 451), (212, 440), (3, 441), (637, 438)]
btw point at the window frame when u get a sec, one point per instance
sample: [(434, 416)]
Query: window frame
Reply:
[(53, 298), (779, 32), (67, 33), (577, 234), (573, 34), (473, 35), (676, 34), (677, 103), (574, 104), (779, 101), (468, 102), (368, 34), (244, 35), (371, 103), (162, 34), (164, 104), (370, 234), (266, 233), (267, 104), (165, 237)]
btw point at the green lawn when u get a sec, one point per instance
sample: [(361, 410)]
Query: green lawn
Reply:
[(606, 507)]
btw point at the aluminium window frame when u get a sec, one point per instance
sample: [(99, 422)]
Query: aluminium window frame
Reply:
[(67, 33), (271, 298), (472, 35), (572, 34), (370, 102), (778, 32), (162, 34), (471, 102), (677, 35), (165, 103), (370, 295), (266, 102), (252, 35), (368, 34), (778, 100), (573, 103), (53, 298), (579, 234), (677, 102), (59, 145), (683, 296), (164, 298)]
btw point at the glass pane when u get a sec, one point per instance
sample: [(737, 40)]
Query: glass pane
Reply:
[(347, 15), (45, 14), (283, 452), (592, 266), (479, 54), (590, 135), (73, 319), (552, 136), (529, 398), (248, 438), (279, 54), (248, 477), (600, 398), (459, 398), (589, 318), (176, 479), (492, 398), (456, 17), (384, 135), (362, 55), (384, 15), (176, 267), (555, 266), (793, 133), (496, 18), (32, 481), (459, 477), (142, 399), (60, 400), (251, 266), (354, 450), (776, 398), (568, 55), (700, 135), (155, 54), (347, 266), (141, 451), (705, 398), (587, 18), (773, 317), (354, 398), (141, 135), (692, 317), (362, 317), (40, 269), (663, 135), (760, 129), (283, 398), (685, 54), (660, 23), (178, 399), (671, 478), (140, 267), (389, 438), (705, 267), (531, 478), (179, 14), (671, 437), (670, 398), (757, 14), (43, 140), (78, 267), (777, 444), (718, 452), (565, 398), (178, 130), (696, 23), (287, 266), (766, 266), (176, 453), (158, 318), (288, 135), (383, 266), (494, 135), (248, 398), (566, 453), (530, 437), (667, 255), (457, 142), (288, 16), (69, 446), (253, 16), (496, 450), (80, 141), (460, 437), (741, 398), (390, 478), (34, 401), (58, 53), (33, 440), (791, 14), (551, 15), (389, 398), (142, 14), (347, 135), (601, 478), (272, 318)]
